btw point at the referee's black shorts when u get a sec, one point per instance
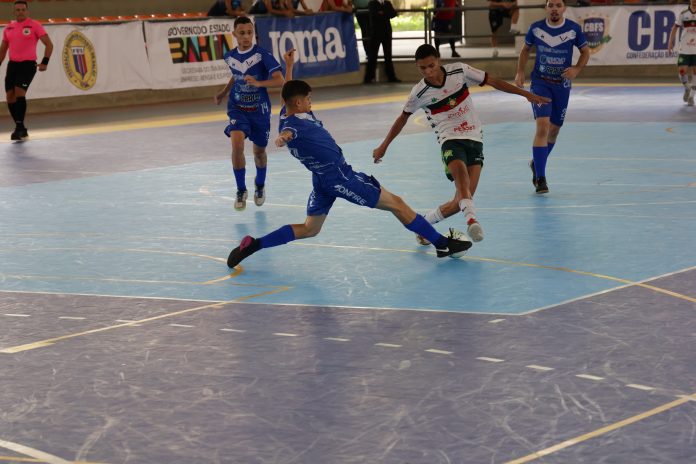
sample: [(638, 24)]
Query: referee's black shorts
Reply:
[(19, 74)]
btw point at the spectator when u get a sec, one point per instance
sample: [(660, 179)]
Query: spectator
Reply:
[(363, 17), (294, 5), (274, 7), (231, 8), (498, 11), (344, 6), (380, 12), (20, 38), (443, 24)]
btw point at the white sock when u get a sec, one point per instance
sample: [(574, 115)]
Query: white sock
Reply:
[(467, 207), (434, 216)]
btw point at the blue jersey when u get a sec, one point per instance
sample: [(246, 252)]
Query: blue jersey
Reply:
[(312, 145), (554, 49), (255, 62)]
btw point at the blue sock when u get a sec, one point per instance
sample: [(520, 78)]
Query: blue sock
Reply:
[(540, 155), (278, 237), (240, 175), (550, 147), (260, 176), (422, 227)]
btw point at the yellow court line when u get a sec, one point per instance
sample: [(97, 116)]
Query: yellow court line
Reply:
[(601, 431), (51, 341)]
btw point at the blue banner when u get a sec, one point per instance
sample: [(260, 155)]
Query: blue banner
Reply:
[(325, 43)]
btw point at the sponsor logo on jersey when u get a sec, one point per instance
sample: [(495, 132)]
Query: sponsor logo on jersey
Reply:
[(79, 61)]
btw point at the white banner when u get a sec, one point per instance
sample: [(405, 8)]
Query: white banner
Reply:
[(189, 53), (91, 59), (620, 35)]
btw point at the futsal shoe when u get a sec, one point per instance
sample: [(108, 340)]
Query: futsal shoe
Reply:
[(259, 195), (23, 133), (454, 246), (474, 230), (541, 186), (240, 202), (690, 102), (247, 247), (687, 91), (531, 166), (422, 240), (15, 135)]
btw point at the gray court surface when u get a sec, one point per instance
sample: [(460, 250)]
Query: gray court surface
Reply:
[(566, 336)]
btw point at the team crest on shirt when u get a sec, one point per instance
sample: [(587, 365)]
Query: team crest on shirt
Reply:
[(594, 28), (26, 31), (79, 61)]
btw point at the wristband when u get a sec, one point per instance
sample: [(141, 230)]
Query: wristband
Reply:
[(44, 61)]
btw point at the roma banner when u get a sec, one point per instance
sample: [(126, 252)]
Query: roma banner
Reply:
[(621, 35), (92, 59), (189, 53), (325, 43)]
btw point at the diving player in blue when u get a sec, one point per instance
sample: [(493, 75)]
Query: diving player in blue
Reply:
[(554, 39), (332, 178), (249, 108)]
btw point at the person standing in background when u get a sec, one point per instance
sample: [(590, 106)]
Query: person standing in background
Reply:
[(380, 13), (498, 11), (443, 24), (20, 38), (232, 8), (686, 62)]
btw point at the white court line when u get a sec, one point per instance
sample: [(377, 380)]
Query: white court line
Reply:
[(336, 339), (282, 334), (387, 345), (186, 326), (493, 360), (433, 350), (72, 318), (31, 452), (495, 321), (16, 315), (539, 368), (640, 387), (233, 330), (589, 377)]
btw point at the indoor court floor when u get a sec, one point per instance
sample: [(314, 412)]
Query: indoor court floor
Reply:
[(566, 336)]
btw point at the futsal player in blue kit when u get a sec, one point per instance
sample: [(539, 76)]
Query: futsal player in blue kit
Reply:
[(249, 107), (554, 38), (332, 177)]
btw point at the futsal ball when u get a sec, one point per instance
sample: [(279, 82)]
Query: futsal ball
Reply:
[(458, 235)]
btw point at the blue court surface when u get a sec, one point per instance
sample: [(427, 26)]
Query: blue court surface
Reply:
[(566, 336)]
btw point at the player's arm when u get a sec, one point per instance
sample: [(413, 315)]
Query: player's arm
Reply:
[(572, 72), (223, 93), (3, 50), (289, 58), (672, 37), (48, 44), (521, 65), (276, 80), (509, 88), (395, 130), (283, 138)]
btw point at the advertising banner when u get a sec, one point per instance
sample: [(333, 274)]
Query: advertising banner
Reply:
[(621, 35), (325, 43), (189, 53), (91, 59)]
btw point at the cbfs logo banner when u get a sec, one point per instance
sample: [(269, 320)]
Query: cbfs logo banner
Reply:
[(325, 43), (619, 35)]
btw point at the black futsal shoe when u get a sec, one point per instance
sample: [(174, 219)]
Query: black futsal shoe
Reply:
[(15, 135), (454, 245), (541, 186), (23, 133), (247, 247)]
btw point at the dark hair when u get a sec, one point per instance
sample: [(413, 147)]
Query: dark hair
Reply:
[(425, 51), (23, 2), (295, 88), (241, 20)]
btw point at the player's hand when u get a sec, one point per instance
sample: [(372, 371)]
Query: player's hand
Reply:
[(251, 80), (538, 99), (378, 153), (571, 73), (218, 97), (289, 57), (283, 139), (42, 67), (519, 80)]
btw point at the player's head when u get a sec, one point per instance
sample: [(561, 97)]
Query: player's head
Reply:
[(555, 10), (297, 96), (21, 10), (243, 32), (428, 62)]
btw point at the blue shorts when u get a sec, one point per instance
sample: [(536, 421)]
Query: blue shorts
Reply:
[(559, 95), (255, 125), (356, 187)]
